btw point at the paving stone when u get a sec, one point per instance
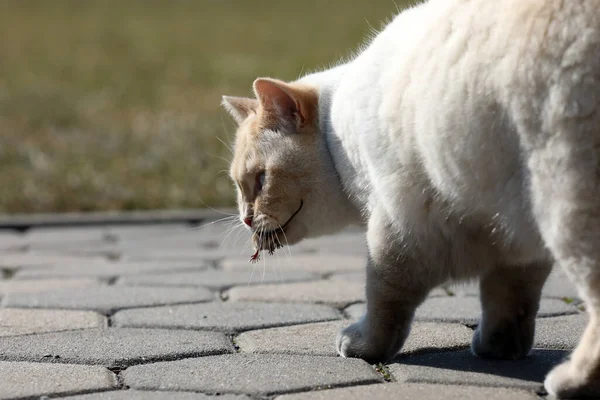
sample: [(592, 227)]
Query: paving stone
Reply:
[(319, 338), (345, 244), (413, 391), (167, 254), (320, 264), (147, 395), (143, 233), (12, 242), (468, 309), (462, 289), (337, 294), (67, 234), (25, 379), (227, 317), (559, 285), (355, 311), (110, 269), (215, 279), (22, 321), (463, 368), (250, 374), (106, 299), (561, 333), (40, 285), (113, 347), (26, 260), (359, 277), (464, 309)]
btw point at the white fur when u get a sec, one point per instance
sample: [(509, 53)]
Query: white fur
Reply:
[(468, 134)]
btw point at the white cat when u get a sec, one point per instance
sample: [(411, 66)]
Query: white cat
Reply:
[(466, 138)]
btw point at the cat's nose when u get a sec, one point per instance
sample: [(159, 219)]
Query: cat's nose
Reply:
[(248, 221)]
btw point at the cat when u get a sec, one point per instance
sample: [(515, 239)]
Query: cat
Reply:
[(465, 138)]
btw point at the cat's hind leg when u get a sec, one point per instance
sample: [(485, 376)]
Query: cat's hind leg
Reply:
[(510, 297), (565, 182)]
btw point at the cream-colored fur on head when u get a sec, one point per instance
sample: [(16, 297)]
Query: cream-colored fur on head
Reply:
[(467, 137), (279, 136)]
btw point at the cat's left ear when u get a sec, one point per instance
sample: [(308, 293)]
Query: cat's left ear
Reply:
[(239, 107), (288, 102)]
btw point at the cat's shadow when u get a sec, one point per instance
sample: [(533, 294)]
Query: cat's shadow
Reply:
[(463, 367)]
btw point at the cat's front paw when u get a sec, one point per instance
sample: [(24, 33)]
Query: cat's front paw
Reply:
[(566, 381), (354, 342)]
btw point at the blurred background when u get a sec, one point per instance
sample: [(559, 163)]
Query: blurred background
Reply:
[(114, 105)]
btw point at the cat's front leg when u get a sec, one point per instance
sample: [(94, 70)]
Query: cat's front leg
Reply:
[(397, 283)]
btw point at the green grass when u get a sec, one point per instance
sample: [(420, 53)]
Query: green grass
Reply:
[(108, 105)]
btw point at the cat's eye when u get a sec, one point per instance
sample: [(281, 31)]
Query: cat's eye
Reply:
[(260, 181)]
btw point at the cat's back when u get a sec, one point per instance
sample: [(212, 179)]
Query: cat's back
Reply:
[(439, 96)]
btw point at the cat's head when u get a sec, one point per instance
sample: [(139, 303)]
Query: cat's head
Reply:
[(280, 166)]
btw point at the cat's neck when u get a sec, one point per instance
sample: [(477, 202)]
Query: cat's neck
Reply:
[(347, 211)]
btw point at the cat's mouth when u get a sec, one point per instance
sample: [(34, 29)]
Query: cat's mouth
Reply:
[(271, 240)]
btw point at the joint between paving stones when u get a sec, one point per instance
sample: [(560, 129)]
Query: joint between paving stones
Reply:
[(118, 379)]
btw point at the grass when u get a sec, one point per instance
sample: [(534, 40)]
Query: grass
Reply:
[(115, 105)]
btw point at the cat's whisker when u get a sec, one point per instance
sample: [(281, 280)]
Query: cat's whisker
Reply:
[(218, 221), (248, 241), (287, 244), (229, 232), (225, 144), (264, 268), (253, 269), (240, 232), (278, 268), (219, 157), (226, 133), (218, 211)]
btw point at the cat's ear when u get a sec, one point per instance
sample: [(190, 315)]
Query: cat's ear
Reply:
[(287, 102), (239, 107)]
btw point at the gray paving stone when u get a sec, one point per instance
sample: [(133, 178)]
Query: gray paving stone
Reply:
[(113, 347), (337, 294), (216, 279), (12, 242), (345, 244), (26, 260), (250, 374), (110, 269), (168, 254), (23, 321), (360, 277), (41, 285), (561, 333), (464, 309), (351, 276), (319, 338), (468, 309), (559, 285), (462, 289), (67, 234), (413, 391), (104, 250), (464, 368), (320, 264), (106, 299), (144, 233), (25, 379), (148, 395), (227, 317)]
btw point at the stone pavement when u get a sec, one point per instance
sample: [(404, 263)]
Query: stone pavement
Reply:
[(175, 312)]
